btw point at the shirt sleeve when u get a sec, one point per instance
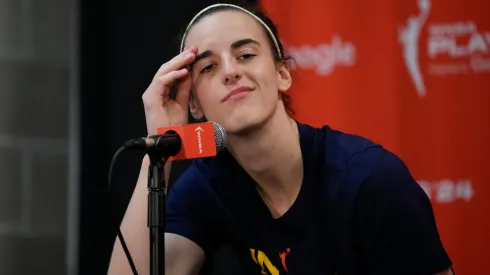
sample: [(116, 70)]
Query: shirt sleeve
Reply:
[(191, 212), (394, 223)]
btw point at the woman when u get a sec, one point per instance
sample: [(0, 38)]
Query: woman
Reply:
[(289, 198)]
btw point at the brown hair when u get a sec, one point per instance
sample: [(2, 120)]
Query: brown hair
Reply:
[(281, 58)]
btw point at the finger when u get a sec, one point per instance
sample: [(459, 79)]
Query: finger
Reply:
[(167, 80), (183, 91), (178, 62), (170, 78)]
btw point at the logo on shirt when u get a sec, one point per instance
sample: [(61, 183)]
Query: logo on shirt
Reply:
[(263, 261), (282, 256)]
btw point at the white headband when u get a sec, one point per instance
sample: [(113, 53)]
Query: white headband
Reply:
[(236, 7)]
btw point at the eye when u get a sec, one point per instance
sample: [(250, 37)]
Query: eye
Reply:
[(208, 68), (246, 56)]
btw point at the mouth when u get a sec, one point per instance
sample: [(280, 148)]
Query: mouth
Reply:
[(237, 93)]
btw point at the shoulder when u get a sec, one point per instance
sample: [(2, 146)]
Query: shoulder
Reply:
[(355, 164), (367, 170), (392, 220), (340, 148), (380, 175), (372, 173), (358, 159), (363, 171)]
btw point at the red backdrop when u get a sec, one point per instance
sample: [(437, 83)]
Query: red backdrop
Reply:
[(414, 76)]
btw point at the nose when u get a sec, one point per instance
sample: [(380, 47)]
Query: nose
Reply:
[(232, 79), (231, 72)]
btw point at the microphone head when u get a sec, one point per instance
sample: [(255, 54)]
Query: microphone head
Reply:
[(219, 137)]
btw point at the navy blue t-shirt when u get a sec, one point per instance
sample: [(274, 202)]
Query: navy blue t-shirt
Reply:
[(359, 211)]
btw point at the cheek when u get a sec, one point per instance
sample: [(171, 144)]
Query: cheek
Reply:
[(268, 73), (269, 79), (207, 95)]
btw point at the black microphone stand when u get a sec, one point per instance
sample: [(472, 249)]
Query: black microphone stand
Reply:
[(159, 154), (158, 148), (156, 211)]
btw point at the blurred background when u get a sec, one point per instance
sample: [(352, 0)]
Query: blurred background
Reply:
[(413, 75)]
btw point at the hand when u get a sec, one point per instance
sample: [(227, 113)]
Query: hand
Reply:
[(160, 109)]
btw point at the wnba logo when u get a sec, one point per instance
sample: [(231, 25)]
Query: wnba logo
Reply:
[(199, 138), (453, 48), (409, 38)]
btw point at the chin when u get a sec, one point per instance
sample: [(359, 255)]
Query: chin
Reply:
[(242, 125), (242, 120)]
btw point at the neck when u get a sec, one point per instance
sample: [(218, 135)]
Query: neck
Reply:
[(272, 156)]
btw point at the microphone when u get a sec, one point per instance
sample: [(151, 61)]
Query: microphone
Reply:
[(197, 140), (188, 141)]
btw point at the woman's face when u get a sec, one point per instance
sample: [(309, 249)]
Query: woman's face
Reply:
[(235, 80)]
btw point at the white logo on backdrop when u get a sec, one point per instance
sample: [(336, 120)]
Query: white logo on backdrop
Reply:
[(324, 58), (409, 38), (448, 190), (465, 46)]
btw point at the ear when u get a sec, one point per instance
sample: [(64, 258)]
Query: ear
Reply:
[(195, 107), (284, 78)]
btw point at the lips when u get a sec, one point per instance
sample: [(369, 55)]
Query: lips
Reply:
[(237, 93)]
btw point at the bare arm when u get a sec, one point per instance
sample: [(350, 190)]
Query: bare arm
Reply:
[(182, 256)]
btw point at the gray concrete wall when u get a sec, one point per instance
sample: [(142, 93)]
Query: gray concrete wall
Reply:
[(36, 78)]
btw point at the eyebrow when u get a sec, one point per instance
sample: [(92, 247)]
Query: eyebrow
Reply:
[(243, 42), (234, 45)]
